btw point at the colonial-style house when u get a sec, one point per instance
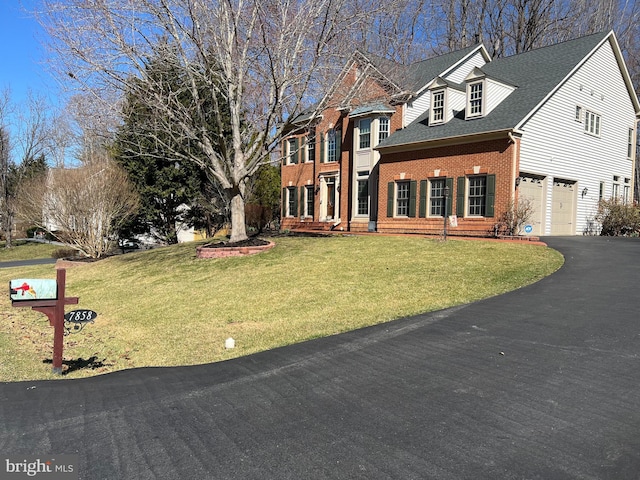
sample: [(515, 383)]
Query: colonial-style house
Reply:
[(464, 137)]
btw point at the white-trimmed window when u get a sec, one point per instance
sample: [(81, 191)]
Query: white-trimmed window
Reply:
[(364, 135), (578, 113), (363, 197), (332, 146), (292, 151), (308, 203), (477, 195), (383, 128), (402, 199), (311, 145), (291, 202), (592, 123), (601, 191), (475, 99), (615, 188), (626, 192), (630, 144), (437, 106), (436, 197)]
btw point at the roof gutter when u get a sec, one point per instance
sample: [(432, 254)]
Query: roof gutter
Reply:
[(448, 141)]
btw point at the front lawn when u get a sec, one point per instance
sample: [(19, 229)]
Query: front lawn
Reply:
[(165, 307)]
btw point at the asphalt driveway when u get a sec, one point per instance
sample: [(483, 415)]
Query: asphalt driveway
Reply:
[(540, 383)]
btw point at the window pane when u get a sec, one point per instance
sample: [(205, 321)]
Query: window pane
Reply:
[(402, 199), (477, 195), (436, 198), (331, 146), (308, 207), (475, 99), (365, 133), (363, 197), (438, 106), (383, 129)]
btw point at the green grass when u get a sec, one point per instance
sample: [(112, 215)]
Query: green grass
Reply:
[(165, 307), (23, 250)]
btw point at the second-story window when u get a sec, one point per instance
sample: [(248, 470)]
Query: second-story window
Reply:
[(365, 133), (475, 99), (592, 123), (437, 115), (383, 128)]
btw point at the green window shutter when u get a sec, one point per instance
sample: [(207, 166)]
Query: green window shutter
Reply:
[(450, 199), (413, 186), (302, 199), (423, 199), (460, 197), (296, 150), (322, 147), (391, 186), (491, 196), (338, 144)]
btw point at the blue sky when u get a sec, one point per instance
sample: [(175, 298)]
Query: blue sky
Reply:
[(22, 59)]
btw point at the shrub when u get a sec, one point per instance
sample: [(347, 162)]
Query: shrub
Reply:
[(618, 218), (64, 253), (514, 218)]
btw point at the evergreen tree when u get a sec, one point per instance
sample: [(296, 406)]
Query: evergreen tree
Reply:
[(172, 191)]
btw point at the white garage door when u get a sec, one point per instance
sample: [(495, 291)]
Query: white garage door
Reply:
[(563, 207), (531, 189)]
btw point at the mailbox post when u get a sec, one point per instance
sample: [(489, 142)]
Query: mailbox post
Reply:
[(53, 308)]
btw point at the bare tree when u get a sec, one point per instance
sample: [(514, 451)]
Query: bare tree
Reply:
[(263, 60), (7, 170), (83, 206)]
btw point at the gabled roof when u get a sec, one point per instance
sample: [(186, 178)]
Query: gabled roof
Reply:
[(537, 74), (420, 74)]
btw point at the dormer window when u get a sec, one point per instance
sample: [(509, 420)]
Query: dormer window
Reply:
[(437, 106), (475, 103)]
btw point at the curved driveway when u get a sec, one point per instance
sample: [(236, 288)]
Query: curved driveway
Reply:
[(540, 383)]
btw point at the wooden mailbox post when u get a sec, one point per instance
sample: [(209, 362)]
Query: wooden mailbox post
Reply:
[(53, 308)]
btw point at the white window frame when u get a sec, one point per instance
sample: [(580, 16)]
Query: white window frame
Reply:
[(386, 131), (438, 106), (476, 99), (291, 150), (332, 155), (365, 180), (402, 203), (291, 197), (309, 195), (579, 114), (431, 198), (310, 146), (481, 206), (630, 144), (615, 188), (592, 123), (364, 135)]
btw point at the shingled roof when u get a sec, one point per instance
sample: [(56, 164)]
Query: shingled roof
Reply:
[(535, 74)]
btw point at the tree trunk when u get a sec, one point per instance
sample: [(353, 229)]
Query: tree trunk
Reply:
[(238, 226)]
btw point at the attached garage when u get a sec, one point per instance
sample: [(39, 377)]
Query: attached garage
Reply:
[(531, 188), (563, 207)]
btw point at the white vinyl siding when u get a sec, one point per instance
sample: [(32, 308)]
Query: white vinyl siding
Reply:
[(556, 144), (495, 93), (457, 75)]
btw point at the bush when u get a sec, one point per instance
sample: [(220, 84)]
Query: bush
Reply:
[(618, 219), (64, 253), (515, 217)]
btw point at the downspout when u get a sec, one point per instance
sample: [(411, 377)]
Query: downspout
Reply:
[(514, 172)]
